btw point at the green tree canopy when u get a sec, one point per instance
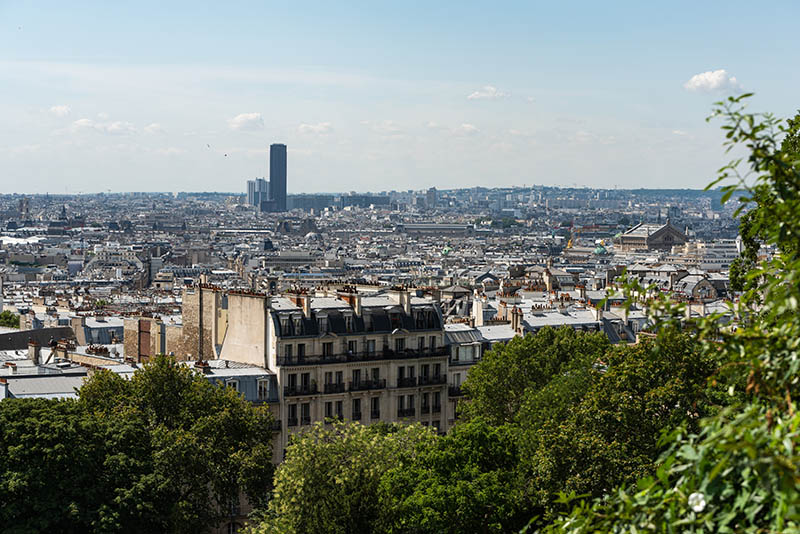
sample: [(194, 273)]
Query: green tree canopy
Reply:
[(165, 451)]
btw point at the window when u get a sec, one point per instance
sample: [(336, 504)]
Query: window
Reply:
[(356, 414), (287, 352), (352, 347), (425, 401), (356, 376), (322, 322), (305, 381), (399, 344), (375, 407), (371, 346), (456, 354), (301, 350), (298, 326), (348, 322), (328, 410), (437, 401), (305, 413), (327, 349), (410, 402), (233, 384), (328, 377), (263, 390), (421, 344), (437, 370), (292, 419), (432, 343), (340, 409), (423, 370), (410, 371), (292, 380), (376, 373), (339, 377)]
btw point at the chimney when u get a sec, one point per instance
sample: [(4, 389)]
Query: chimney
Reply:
[(582, 291), (34, 352), (516, 320), (350, 295), (477, 310), (598, 313), (403, 298), (302, 300)]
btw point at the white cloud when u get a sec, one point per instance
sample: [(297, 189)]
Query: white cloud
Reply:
[(318, 128), (154, 128), (488, 92), (386, 127), (712, 81), (679, 132), (60, 111), (112, 128), (466, 129), (246, 122)]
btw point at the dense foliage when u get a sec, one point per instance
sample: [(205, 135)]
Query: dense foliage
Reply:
[(740, 472), (558, 409), (8, 319), (165, 451)]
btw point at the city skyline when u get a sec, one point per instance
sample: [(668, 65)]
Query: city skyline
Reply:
[(100, 97)]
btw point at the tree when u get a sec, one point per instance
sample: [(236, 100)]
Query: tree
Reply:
[(738, 473), (600, 426), (496, 387), (329, 481), (163, 452), (462, 482), (8, 319)]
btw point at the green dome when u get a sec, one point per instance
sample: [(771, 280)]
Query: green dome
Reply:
[(600, 250)]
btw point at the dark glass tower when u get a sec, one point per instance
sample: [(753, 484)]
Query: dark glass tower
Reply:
[(277, 176)]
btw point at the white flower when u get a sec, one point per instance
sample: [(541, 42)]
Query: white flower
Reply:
[(697, 501)]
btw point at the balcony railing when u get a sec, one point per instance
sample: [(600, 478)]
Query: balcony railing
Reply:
[(356, 416), (375, 414), (334, 387), (407, 382), (305, 421), (309, 389), (364, 385), (405, 412), (363, 356), (432, 380), (424, 409), (437, 408), (292, 421), (455, 391)]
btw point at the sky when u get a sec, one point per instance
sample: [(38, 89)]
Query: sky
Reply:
[(377, 96)]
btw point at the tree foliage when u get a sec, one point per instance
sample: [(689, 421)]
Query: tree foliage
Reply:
[(8, 319), (165, 451), (739, 472), (496, 387), (329, 481)]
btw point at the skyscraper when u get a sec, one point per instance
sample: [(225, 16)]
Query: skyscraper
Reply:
[(277, 176)]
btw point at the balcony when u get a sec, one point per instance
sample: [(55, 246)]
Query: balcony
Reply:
[(375, 414), (454, 391), (292, 421), (405, 412), (364, 385), (307, 389), (432, 380), (363, 356), (407, 382), (334, 387), (356, 416)]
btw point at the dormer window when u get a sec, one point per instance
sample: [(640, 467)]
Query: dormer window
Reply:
[(298, 325), (349, 323), (322, 324)]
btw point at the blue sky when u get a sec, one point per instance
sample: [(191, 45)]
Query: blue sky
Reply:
[(372, 96)]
